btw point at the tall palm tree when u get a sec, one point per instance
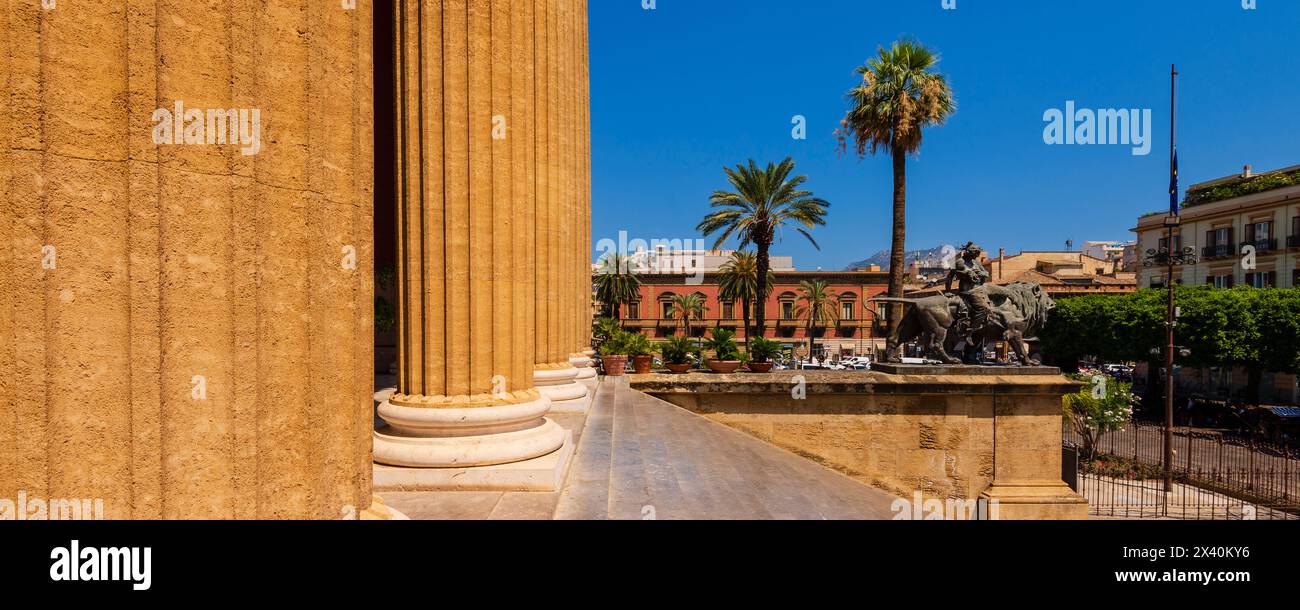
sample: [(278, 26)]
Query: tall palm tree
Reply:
[(816, 304), (763, 201), (687, 306), (900, 94), (617, 283), (738, 281)]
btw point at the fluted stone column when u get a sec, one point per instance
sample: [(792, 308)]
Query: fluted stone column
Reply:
[(561, 101), (581, 292), (186, 328), (465, 394)]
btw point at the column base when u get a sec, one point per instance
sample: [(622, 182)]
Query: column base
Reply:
[(1035, 500), (458, 437), (545, 473), (559, 384), (580, 361), (588, 378)]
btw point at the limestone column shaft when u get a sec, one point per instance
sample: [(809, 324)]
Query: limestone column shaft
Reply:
[(465, 395), (189, 319), (582, 295), (559, 204)]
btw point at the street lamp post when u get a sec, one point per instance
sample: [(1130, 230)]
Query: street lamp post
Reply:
[(1170, 259)]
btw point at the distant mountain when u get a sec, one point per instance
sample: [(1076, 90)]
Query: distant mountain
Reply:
[(929, 258)]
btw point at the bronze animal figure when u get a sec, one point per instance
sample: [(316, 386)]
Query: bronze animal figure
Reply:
[(1019, 312)]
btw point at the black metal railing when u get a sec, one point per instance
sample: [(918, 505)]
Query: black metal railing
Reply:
[(1218, 251), (1261, 245), (1216, 476)]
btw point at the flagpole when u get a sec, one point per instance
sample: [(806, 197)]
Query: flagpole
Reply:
[(1170, 315)]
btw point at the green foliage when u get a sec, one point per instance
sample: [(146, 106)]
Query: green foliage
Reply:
[(1249, 186), (688, 307), (900, 94), (385, 315), (604, 328), (637, 344), (1255, 328), (763, 202), (723, 344), (616, 344), (738, 278), (1105, 405), (762, 349), (386, 278), (677, 350), (616, 283), (816, 303)]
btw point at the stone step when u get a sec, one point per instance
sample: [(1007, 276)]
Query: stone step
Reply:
[(643, 458), (586, 492)]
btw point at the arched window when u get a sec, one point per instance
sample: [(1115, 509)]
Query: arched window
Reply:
[(848, 308), (666, 306), (787, 300)]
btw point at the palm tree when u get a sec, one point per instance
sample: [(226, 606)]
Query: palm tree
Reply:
[(900, 94), (687, 306), (617, 284), (763, 201), (738, 281), (816, 304)]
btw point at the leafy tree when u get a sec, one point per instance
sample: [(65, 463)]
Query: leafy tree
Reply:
[(738, 281), (1258, 329), (763, 201), (900, 95), (1103, 406), (617, 284), (687, 306), (815, 304)]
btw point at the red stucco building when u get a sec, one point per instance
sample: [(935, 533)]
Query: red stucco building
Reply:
[(859, 329)]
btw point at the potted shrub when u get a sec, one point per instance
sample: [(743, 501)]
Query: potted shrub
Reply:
[(726, 355), (677, 354), (639, 349), (613, 354), (761, 353)]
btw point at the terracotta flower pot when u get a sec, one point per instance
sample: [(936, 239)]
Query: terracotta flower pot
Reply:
[(760, 367), (641, 364), (614, 365), (723, 367), (679, 369)]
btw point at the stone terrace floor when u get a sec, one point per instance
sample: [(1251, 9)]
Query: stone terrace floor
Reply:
[(641, 458)]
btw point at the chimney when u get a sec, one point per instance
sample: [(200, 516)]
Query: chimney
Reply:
[(1245, 173), (1002, 255)]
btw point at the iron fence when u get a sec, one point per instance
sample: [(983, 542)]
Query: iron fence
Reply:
[(1215, 476)]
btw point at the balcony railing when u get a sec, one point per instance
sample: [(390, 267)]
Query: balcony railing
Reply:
[(1219, 251), (1262, 245)]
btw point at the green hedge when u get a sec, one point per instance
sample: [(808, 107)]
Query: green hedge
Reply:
[(1249, 186)]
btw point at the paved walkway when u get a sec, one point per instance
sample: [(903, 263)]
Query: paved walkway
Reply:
[(642, 458)]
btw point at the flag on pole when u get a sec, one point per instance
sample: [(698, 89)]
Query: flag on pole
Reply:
[(1173, 185)]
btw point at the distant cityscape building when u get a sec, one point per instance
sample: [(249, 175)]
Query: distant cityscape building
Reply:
[(858, 326), (1108, 251), (1061, 274), (1220, 220), (662, 259)]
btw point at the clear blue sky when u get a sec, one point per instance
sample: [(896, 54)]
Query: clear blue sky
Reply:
[(679, 91)]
